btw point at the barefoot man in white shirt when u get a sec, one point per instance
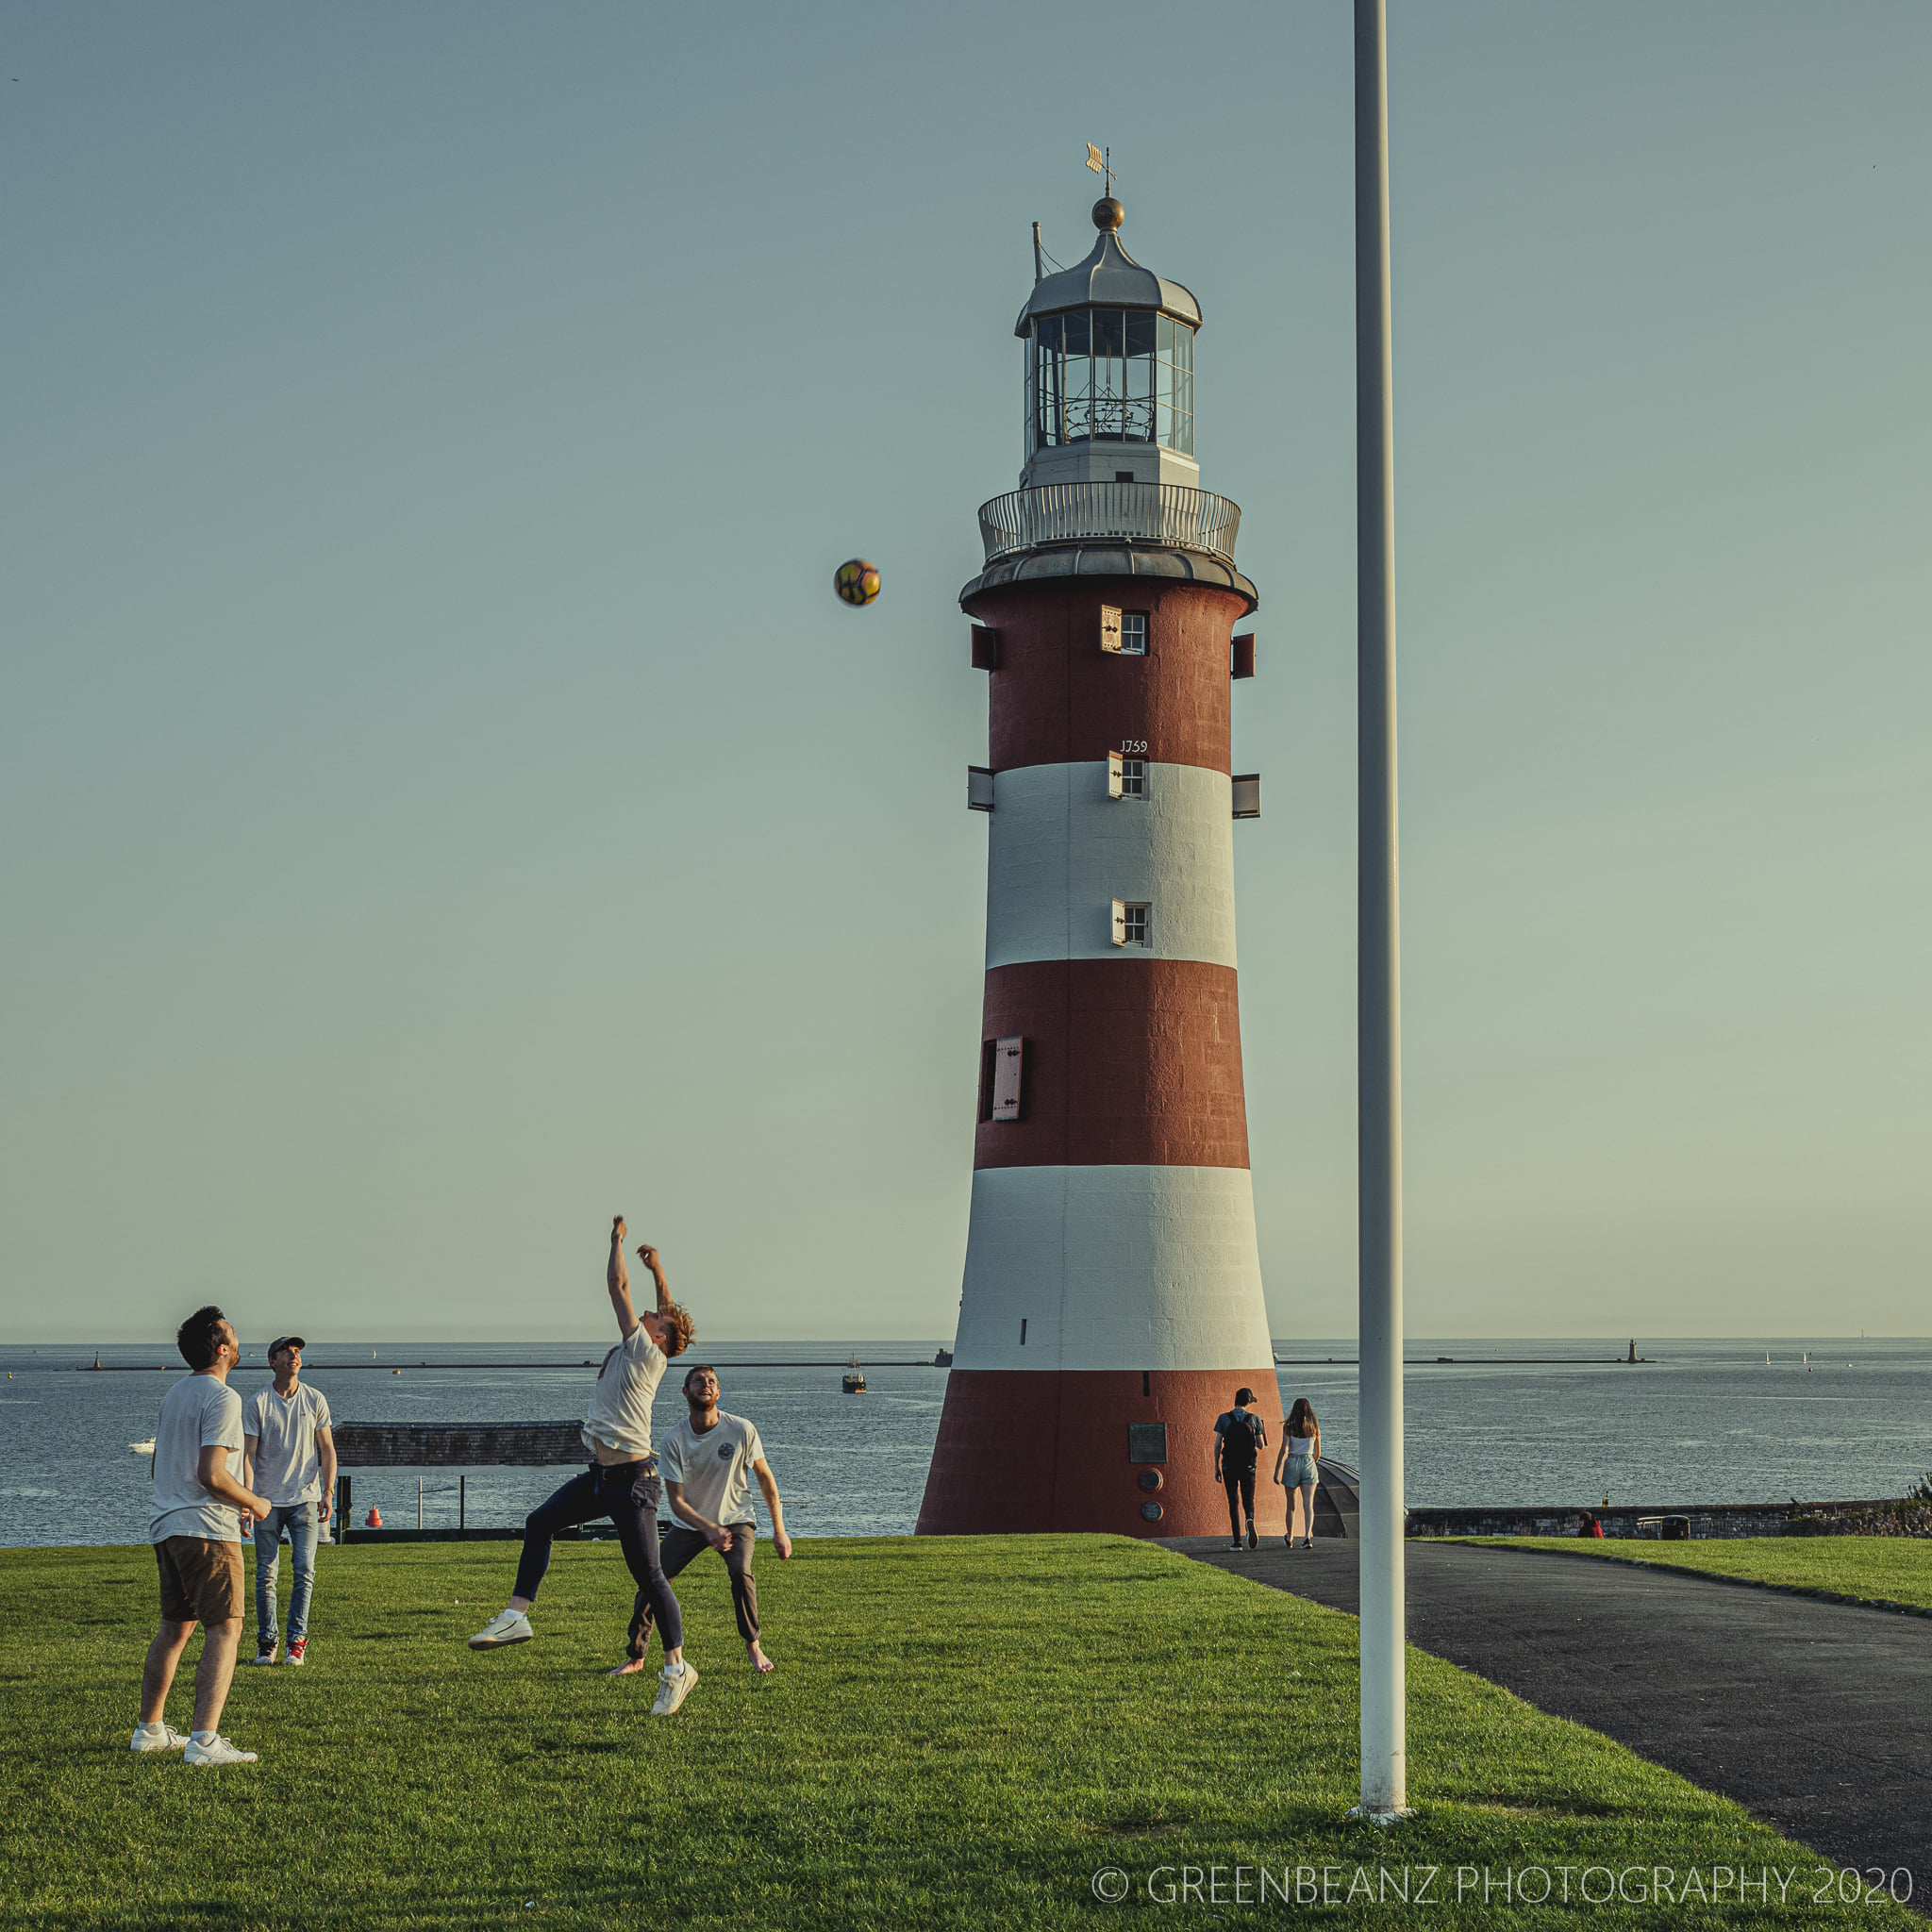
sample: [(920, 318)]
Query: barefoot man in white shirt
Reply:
[(621, 1481), (706, 1461)]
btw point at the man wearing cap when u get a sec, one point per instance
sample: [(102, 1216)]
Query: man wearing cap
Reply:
[(288, 1453)]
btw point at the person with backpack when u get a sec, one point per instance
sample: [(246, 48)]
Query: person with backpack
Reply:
[(1239, 1440)]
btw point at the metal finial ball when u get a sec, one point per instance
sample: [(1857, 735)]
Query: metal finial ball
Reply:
[(1107, 213)]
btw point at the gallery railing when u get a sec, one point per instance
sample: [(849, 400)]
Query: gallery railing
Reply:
[(1163, 514)]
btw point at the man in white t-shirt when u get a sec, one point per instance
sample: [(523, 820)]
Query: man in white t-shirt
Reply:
[(288, 1453), (708, 1463), (621, 1481), (195, 1528)]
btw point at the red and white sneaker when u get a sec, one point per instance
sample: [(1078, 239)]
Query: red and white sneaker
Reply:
[(298, 1651)]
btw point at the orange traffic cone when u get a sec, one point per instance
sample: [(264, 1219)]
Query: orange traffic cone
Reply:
[(374, 1520)]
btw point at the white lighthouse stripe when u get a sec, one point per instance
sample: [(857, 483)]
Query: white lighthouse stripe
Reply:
[(1113, 1268), (1060, 852)]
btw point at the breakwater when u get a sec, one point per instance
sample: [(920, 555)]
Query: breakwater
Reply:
[(1864, 1517)]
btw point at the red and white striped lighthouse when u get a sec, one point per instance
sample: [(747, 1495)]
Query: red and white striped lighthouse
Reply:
[(1112, 1303)]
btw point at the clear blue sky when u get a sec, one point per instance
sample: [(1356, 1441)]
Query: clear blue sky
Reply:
[(441, 802)]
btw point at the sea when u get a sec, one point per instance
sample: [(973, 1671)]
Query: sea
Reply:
[(1490, 1421)]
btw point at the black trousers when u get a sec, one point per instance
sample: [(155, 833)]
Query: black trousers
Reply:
[(629, 1493), (682, 1546), (1239, 1484)]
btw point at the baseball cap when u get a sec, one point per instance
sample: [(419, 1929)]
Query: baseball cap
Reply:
[(283, 1342)]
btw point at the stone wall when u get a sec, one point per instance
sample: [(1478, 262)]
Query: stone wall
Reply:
[(1865, 1518), (458, 1445)]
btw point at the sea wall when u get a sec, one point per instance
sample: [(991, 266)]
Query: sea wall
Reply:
[(1863, 1518)]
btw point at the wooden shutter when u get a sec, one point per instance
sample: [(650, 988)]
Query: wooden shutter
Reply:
[(1009, 1064)]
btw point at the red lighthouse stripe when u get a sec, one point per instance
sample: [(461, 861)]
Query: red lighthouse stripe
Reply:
[(1058, 699), (1051, 1452), (1128, 1062)]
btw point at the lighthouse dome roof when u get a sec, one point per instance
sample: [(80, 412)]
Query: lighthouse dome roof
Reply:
[(1108, 279)]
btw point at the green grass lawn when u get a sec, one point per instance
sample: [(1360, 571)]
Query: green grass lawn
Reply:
[(1857, 1569), (960, 1733)]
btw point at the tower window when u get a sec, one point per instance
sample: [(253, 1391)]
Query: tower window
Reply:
[(1133, 777), (1133, 633), (1132, 924), (1002, 1079)]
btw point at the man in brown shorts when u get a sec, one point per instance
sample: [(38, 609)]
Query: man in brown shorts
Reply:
[(195, 1528)]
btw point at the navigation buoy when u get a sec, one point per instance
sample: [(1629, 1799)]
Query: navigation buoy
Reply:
[(374, 1520)]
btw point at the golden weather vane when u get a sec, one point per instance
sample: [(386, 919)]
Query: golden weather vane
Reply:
[(1101, 161)]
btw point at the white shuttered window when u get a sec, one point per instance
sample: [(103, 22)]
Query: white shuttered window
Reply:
[(1008, 1064)]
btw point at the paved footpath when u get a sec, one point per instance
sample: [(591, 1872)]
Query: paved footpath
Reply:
[(1815, 1716)]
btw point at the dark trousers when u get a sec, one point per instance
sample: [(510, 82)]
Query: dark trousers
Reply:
[(680, 1547), (629, 1493), (1241, 1490)]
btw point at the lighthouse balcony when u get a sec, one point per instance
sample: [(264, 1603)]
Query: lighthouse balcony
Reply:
[(1110, 530), (1162, 513)]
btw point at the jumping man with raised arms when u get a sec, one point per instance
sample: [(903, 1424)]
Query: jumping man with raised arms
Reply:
[(621, 1481)]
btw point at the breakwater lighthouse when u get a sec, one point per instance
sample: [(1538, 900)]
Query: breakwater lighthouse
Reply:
[(1112, 1299)]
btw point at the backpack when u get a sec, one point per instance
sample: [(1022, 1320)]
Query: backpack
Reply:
[(1240, 1448)]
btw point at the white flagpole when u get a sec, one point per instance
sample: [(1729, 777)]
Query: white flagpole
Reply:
[(1379, 975)]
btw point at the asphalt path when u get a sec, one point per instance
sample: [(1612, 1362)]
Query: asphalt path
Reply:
[(1817, 1717)]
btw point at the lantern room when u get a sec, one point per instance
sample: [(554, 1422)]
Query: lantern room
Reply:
[(1110, 371)]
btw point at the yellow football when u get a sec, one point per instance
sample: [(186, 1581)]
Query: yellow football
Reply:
[(856, 581)]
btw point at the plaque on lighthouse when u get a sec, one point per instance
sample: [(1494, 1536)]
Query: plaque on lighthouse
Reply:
[(1111, 1291)]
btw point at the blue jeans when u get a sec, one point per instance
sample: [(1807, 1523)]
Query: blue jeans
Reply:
[(298, 1519)]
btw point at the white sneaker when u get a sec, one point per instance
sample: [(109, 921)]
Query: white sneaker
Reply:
[(674, 1687), (506, 1626), (220, 1752), (161, 1737), (264, 1657)]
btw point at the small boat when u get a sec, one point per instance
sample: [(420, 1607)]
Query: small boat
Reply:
[(853, 1382), (146, 1448)]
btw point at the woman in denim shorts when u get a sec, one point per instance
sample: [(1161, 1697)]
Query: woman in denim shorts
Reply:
[(1296, 1469)]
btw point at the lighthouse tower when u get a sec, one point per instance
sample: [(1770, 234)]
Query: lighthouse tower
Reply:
[(1113, 1302)]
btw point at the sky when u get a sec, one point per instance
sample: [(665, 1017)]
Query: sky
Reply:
[(441, 802)]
